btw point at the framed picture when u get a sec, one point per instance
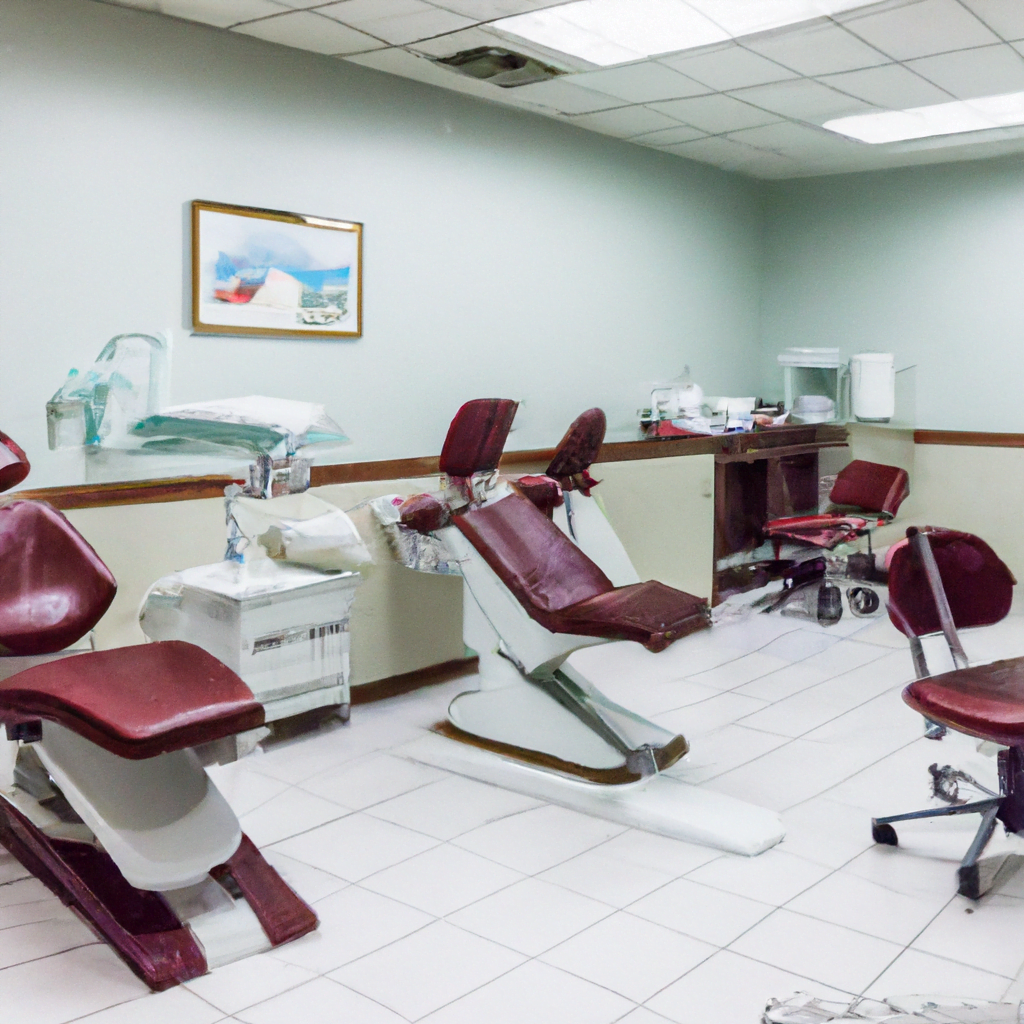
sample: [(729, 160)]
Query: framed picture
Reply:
[(266, 272)]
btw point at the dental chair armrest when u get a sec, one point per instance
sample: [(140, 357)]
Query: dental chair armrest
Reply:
[(424, 513), (543, 491)]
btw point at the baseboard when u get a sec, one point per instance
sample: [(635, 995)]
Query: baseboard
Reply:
[(406, 682)]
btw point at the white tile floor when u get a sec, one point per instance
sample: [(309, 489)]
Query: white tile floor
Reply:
[(448, 901)]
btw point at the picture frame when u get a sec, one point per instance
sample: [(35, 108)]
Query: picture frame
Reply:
[(270, 273)]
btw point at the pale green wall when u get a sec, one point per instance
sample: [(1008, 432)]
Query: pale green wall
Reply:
[(926, 262), (505, 253)]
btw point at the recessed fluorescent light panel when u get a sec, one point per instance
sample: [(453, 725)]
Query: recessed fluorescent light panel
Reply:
[(606, 32), (954, 118)]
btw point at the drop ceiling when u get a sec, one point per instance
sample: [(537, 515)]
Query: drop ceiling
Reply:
[(754, 105)]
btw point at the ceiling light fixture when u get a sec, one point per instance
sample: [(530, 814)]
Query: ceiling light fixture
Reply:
[(954, 118), (606, 32)]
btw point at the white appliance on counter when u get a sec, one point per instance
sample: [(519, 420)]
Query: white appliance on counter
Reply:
[(873, 386)]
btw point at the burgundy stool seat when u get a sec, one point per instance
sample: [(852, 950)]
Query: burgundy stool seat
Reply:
[(136, 702), (53, 587), (986, 701), (563, 590)]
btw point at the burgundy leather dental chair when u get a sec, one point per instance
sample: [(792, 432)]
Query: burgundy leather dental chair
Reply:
[(102, 797), (534, 597), (865, 495), (541, 598), (939, 581)]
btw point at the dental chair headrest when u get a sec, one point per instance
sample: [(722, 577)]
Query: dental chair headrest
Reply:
[(14, 465), (578, 449), (477, 436)]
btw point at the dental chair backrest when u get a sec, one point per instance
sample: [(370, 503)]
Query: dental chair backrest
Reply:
[(474, 443), (871, 487), (978, 584), (577, 451), (580, 516), (53, 587), (14, 465)]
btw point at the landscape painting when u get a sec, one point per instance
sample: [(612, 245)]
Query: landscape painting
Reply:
[(267, 272)]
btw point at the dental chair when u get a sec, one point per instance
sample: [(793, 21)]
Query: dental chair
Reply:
[(865, 495), (940, 580), (103, 796), (532, 597)]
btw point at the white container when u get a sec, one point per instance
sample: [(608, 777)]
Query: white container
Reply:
[(282, 628), (873, 386)]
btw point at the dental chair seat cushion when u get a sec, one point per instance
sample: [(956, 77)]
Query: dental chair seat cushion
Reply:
[(649, 613), (986, 701), (563, 590), (136, 702), (53, 587), (871, 486)]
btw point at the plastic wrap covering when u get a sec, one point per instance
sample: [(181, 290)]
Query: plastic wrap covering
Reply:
[(101, 405), (300, 528), (803, 1008), (255, 424), (420, 551)]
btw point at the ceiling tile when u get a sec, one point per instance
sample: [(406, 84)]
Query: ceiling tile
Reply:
[(803, 99), (1004, 17), (396, 21), (625, 122), (564, 97), (307, 30), (490, 10), (820, 48), (640, 83), (891, 86), (966, 74), (728, 67), (714, 114), (721, 152), (796, 141), (220, 13), (669, 136), (919, 29)]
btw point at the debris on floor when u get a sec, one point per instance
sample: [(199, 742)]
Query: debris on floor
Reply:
[(802, 1008)]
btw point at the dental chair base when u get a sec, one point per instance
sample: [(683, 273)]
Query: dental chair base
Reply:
[(103, 799), (537, 726), (662, 804)]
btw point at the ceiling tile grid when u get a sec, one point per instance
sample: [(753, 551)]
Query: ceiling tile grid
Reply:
[(753, 105)]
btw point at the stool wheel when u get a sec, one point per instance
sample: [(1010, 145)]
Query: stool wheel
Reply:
[(884, 834)]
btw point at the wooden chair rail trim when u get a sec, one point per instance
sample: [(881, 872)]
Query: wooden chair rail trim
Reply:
[(970, 438), (190, 488)]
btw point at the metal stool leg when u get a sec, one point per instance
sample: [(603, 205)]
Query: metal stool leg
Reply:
[(975, 876), (883, 832)]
